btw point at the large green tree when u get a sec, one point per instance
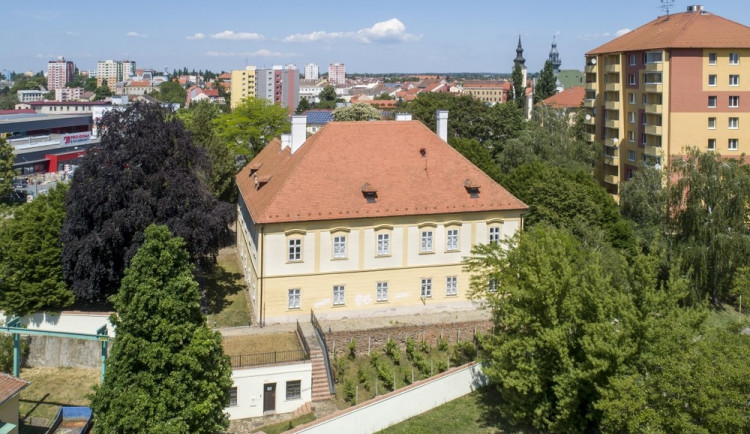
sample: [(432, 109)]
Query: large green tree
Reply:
[(7, 172), (709, 215), (171, 92), (518, 94), (102, 92), (477, 154), (167, 371), (356, 112), (545, 86), (327, 98), (250, 126), (199, 120), (31, 277), (145, 170)]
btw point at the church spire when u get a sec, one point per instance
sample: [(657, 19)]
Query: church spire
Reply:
[(519, 60), (554, 57)]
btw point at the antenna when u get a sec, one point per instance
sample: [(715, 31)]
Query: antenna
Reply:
[(666, 5)]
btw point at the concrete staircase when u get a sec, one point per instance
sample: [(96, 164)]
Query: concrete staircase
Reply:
[(320, 389)]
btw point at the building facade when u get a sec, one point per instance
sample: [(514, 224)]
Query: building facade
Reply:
[(68, 94), (59, 73), (311, 71), (364, 218), (679, 81), (26, 96), (337, 73), (110, 70), (243, 85)]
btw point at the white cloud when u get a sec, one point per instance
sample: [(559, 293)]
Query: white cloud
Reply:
[(237, 36), (196, 36), (392, 30), (623, 31), (593, 37), (258, 53), (136, 35)]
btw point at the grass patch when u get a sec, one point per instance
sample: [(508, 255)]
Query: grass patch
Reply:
[(262, 343), (280, 427), (226, 300), (52, 388), (473, 413)]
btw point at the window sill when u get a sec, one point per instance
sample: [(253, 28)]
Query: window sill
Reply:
[(427, 253), (452, 250), (388, 255), (295, 262), (340, 259), (294, 399), (339, 305), (381, 301), (289, 309), (452, 295)]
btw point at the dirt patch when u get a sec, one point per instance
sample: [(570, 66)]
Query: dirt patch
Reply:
[(262, 343)]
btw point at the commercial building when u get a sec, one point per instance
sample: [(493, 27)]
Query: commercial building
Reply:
[(59, 73), (243, 85), (678, 81), (336, 73), (365, 218), (311, 71)]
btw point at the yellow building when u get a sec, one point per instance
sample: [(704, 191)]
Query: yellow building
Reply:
[(243, 85), (364, 218), (678, 81), (490, 92)]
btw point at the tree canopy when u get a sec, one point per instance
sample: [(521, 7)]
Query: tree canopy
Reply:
[(545, 86), (145, 170), (7, 172), (327, 98), (167, 371), (31, 277), (102, 92), (519, 92), (250, 126), (356, 112), (171, 92)]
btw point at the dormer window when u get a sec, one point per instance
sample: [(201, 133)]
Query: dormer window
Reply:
[(471, 188), (254, 167), (369, 192), (260, 181)]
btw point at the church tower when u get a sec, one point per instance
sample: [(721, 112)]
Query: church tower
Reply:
[(554, 57), (519, 60)]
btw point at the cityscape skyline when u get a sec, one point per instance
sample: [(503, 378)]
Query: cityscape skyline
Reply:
[(408, 39)]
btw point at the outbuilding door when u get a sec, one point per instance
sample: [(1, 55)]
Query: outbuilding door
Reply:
[(269, 397)]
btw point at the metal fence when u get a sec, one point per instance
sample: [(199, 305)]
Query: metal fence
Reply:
[(269, 358)]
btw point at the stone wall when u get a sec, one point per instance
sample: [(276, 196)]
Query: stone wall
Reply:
[(63, 352), (375, 339)]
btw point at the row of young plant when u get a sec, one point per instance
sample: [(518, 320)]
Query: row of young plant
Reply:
[(364, 377)]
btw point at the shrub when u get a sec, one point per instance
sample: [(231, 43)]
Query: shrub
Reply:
[(410, 348), (424, 347), (407, 377), (421, 364), (463, 352), (349, 391), (352, 349), (375, 358), (442, 344), (362, 377), (339, 368), (442, 366), (392, 351), (386, 375)]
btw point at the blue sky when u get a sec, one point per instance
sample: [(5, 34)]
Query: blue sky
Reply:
[(377, 36)]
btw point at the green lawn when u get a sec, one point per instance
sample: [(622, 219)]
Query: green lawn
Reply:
[(225, 290), (472, 413)]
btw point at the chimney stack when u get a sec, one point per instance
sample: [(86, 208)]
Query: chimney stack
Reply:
[(299, 132), (286, 141), (442, 124), (403, 116)]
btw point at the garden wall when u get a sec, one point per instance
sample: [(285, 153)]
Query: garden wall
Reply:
[(375, 339)]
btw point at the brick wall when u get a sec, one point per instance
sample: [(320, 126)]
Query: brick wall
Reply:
[(375, 339)]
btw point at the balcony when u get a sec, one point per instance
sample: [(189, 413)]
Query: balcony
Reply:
[(591, 85), (654, 151), (589, 69), (590, 103), (612, 179), (654, 108), (612, 87), (613, 123), (589, 120), (652, 130), (612, 105), (611, 160), (656, 67), (653, 87), (612, 68), (589, 137)]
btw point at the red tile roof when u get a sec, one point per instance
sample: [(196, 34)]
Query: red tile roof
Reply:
[(568, 98), (683, 30), (10, 386), (323, 180)]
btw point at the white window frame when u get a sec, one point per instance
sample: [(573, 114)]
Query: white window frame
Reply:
[(451, 239), (381, 291), (339, 295), (712, 79), (631, 137), (631, 79), (426, 287), (734, 58), (294, 300), (734, 123), (451, 285), (631, 155), (631, 117), (294, 249), (492, 284), (734, 101), (631, 97), (712, 123), (712, 101), (734, 79), (298, 394), (632, 59), (383, 240), (426, 241), (733, 144), (493, 234), (339, 247)]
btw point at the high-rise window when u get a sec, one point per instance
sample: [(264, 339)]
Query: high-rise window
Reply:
[(734, 123), (711, 144), (734, 80), (712, 101), (734, 101), (733, 144), (712, 80), (712, 123), (712, 58), (734, 58)]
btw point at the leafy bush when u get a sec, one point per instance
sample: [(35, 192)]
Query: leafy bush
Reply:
[(407, 377), (349, 391), (352, 349), (374, 358), (386, 375), (442, 344), (421, 364), (463, 352), (424, 347), (339, 368), (410, 348), (362, 377), (392, 351), (442, 366)]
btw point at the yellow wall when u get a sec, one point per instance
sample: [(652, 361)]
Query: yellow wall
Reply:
[(243, 85), (402, 268)]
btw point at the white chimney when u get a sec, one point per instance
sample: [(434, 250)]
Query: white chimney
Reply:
[(299, 132), (286, 141), (695, 8), (442, 124), (403, 116)]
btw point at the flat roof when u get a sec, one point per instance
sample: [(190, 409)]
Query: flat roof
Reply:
[(28, 122)]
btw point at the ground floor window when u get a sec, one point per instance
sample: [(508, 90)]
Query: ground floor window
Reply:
[(426, 290), (382, 291), (294, 298), (293, 389), (233, 397), (451, 285)]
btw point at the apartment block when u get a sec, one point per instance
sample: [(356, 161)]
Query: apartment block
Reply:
[(243, 85), (114, 71), (681, 80), (311, 71), (59, 73), (337, 73)]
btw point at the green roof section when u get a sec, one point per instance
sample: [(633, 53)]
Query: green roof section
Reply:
[(570, 78)]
